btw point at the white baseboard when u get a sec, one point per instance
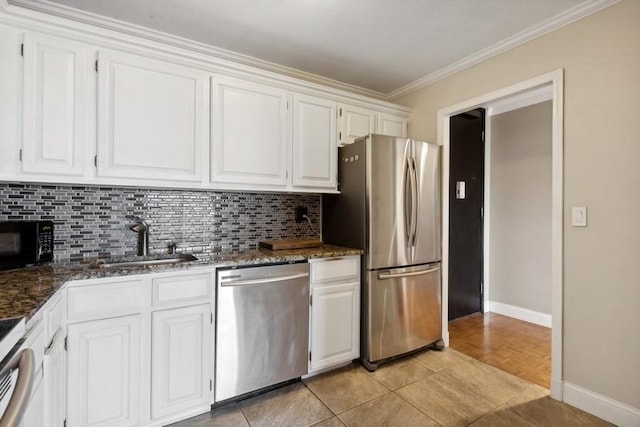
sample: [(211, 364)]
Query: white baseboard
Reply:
[(601, 406), (520, 313)]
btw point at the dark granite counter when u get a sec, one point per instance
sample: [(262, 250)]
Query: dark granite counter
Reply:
[(23, 291)]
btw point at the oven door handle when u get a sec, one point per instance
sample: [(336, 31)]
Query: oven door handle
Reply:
[(25, 362)]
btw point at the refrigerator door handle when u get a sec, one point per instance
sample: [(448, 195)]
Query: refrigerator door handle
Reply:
[(383, 276), (414, 202), (408, 200)]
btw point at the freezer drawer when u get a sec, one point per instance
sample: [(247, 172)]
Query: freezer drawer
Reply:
[(403, 310)]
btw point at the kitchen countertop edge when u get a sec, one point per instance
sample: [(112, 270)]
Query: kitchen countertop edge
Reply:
[(24, 291)]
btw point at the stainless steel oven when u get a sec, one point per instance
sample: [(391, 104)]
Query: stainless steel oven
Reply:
[(17, 369)]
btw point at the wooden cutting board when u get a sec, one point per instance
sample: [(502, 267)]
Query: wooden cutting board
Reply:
[(276, 245)]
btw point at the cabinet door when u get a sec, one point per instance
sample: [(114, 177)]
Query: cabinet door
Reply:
[(55, 382), (391, 125), (354, 123), (314, 142), (104, 372), (180, 359), (56, 106), (250, 135), (151, 119), (335, 324)]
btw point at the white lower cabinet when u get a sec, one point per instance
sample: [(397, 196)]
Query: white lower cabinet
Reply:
[(55, 382), (180, 356), (335, 325), (139, 351), (104, 361), (335, 312)]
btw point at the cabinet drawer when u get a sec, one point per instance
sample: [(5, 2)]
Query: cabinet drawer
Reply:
[(104, 300), (335, 269), (34, 339), (181, 288), (53, 319)]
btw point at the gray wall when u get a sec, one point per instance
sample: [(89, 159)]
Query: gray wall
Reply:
[(520, 221), (91, 221)]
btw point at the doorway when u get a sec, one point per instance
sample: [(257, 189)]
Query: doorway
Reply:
[(466, 210), (555, 81)]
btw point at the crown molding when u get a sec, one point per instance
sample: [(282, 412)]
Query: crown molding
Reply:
[(554, 23), (77, 15), (16, 7)]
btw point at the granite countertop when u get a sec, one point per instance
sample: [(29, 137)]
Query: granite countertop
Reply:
[(23, 291)]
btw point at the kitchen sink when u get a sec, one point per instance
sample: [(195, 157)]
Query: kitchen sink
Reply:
[(141, 261)]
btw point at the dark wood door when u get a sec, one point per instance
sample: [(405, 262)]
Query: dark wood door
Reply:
[(466, 198)]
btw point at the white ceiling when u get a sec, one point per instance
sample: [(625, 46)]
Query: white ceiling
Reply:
[(380, 45)]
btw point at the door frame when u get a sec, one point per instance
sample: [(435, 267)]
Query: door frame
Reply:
[(556, 80)]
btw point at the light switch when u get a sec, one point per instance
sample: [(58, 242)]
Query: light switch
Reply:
[(460, 190), (579, 216)]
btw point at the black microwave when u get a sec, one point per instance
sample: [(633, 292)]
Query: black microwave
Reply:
[(25, 242)]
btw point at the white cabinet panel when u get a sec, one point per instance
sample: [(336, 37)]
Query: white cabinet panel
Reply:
[(112, 297), (335, 324), (314, 142), (389, 124), (55, 382), (56, 106), (250, 135), (180, 377), (104, 376), (354, 123), (335, 270), (151, 119), (335, 311)]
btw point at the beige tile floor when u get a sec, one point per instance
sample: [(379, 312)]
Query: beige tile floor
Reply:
[(428, 389)]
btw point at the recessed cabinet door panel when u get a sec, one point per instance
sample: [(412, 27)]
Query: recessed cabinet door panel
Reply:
[(180, 363), (391, 125), (104, 372), (355, 122), (56, 106), (335, 324), (150, 119), (249, 134), (314, 142)]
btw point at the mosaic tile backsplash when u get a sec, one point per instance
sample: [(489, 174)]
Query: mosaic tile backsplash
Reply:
[(91, 221)]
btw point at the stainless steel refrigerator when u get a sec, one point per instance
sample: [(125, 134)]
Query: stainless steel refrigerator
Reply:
[(390, 206)]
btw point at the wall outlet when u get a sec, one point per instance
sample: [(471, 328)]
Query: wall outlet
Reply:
[(301, 211)]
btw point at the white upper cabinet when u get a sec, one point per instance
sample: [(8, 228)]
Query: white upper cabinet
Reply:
[(57, 104), (354, 123), (389, 124), (250, 137), (314, 142), (152, 119)]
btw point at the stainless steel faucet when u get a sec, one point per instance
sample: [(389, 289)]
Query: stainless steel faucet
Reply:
[(142, 228)]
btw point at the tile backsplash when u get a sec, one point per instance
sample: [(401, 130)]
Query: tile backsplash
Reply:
[(91, 221)]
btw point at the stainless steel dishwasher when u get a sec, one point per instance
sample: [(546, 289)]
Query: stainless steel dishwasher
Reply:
[(262, 327)]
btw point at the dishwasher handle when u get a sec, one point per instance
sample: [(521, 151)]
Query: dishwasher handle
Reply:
[(25, 362), (230, 282)]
